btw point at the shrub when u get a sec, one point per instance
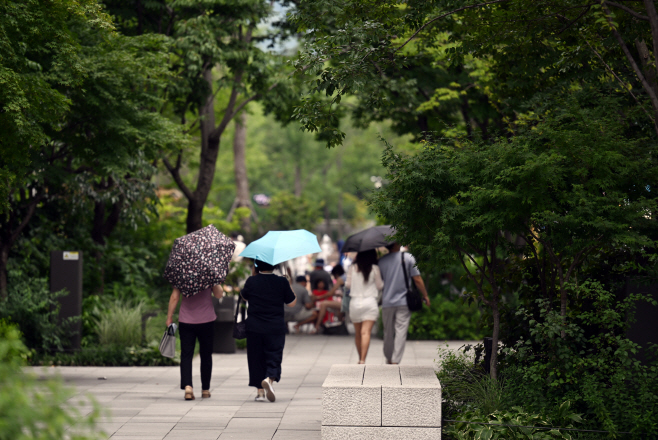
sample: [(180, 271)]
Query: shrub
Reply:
[(593, 366), (112, 356), (483, 426), (466, 387), (31, 409), (121, 325), (30, 305), (446, 319)]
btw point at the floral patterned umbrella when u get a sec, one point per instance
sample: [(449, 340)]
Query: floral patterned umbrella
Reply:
[(199, 260)]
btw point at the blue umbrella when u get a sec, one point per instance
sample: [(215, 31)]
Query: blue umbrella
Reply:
[(278, 246)]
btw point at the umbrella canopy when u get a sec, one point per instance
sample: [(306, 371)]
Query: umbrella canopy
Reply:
[(199, 260), (370, 238), (278, 246)]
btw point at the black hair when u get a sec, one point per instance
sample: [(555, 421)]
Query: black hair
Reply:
[(337, 271), (262, 266), (317, 284), (364, 261)]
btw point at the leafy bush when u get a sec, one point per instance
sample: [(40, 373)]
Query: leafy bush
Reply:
[(112, 356), (30, 305), (32, 409), (446, 319), (466, 387), (288, 212), (593, 366), (121, 325), (525, 422)]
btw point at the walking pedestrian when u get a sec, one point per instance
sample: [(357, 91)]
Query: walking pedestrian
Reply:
[(364, 280), (266, 293), (395, 313), (196, 322)]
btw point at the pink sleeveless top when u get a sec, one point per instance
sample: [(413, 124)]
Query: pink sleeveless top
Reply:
[(197, 309)]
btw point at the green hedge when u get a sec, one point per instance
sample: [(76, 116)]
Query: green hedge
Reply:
[(446, 319), (112, 356)]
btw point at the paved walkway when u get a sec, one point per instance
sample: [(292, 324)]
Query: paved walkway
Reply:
[(146, 403)]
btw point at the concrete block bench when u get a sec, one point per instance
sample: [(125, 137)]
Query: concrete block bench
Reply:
[(381, 402)]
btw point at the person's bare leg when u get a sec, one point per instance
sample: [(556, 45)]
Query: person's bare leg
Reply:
[(365, 330), (357, 338), (321, 312), (324, 306), (308, 320)]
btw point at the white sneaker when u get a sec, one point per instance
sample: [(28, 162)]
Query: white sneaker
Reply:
[(269, 389), (260, 398)]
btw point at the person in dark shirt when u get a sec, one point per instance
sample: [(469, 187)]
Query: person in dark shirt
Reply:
[(320, 274), (266, 293)]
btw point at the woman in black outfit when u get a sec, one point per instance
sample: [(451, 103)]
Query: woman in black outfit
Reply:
[(266, 293)]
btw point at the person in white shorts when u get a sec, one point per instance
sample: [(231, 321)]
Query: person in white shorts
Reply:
[(364, 281)]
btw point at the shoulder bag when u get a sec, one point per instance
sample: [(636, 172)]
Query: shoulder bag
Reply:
[(239, 328), (414, 301)]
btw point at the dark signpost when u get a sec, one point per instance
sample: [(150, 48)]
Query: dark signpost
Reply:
[(66, 274)]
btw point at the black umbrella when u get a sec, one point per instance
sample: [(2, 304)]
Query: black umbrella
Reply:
[(199, 260), (371, 238)]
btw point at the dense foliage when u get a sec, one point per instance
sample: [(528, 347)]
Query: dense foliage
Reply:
[(544, 192), (37, 409)]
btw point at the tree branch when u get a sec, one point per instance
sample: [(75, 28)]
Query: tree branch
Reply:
[(631, 60), (472, 277), (570, 23), (31, 207), (625, 86), (175, 174), (445, 15), (627, 9)]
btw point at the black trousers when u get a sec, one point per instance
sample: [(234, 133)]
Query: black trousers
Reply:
[(264, 355), (189, 334)]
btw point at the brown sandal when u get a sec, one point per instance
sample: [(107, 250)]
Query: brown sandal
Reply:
[(189, 394), (205, 394)]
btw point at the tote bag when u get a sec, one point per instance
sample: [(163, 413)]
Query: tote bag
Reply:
[(168, 342), (239, 328)]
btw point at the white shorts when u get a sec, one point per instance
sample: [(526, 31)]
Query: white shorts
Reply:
[(363, 309)]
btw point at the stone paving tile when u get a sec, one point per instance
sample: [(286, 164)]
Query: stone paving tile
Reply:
[(146, 403), (132, 428), (218, 423), (288, 434), (198, 435), (251, 434), (136, 437), (256, 414), (306, 420)]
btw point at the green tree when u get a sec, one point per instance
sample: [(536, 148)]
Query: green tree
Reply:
[(288, 212), (95, 154), (495, 55), (213, 52), (570, 185)]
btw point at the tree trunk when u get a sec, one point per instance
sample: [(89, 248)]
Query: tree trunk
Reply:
[(298, 180), (493, 365), (207, 162), (8, 236), (242, 193), (102, 227), (4, 259), (563, 299), (339, 205)]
